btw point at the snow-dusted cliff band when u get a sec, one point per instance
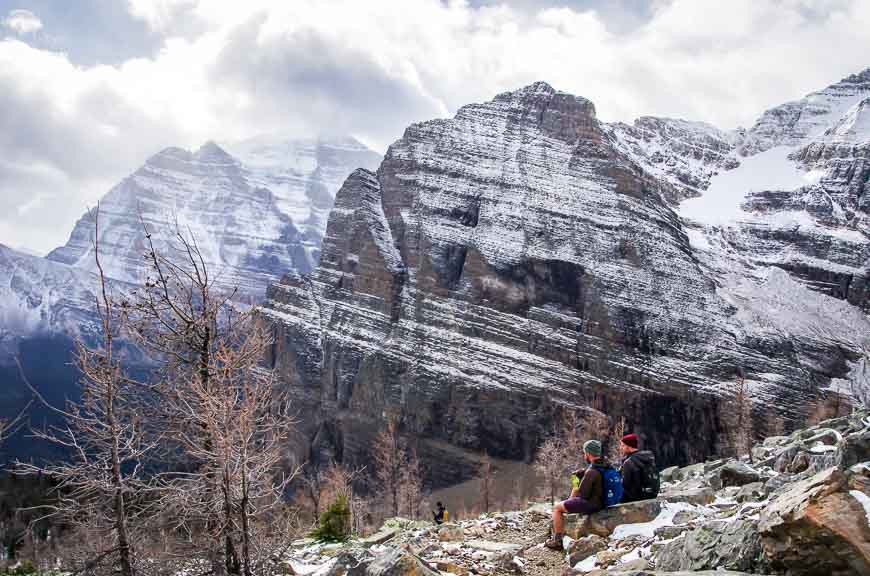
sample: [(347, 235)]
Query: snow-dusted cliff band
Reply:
[(523, 255)]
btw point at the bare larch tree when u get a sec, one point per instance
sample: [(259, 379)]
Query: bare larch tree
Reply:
[(487, 479), (737, 416), (227, 420), (549, 464), (389, 457), (101, 487), (411, 485)]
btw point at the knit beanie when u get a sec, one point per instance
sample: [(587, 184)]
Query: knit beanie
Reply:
[(630, 440), (592, 447)]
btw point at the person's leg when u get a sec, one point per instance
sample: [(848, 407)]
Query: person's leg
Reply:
[(559, 518), (555, 542)]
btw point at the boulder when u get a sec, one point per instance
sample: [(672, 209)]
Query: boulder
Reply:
[(398, 562), (671, 532), (605, 522), (348, 563), (607, 558), (585, 547), (778, 482), (636, 564), (751, 492), (736, 474), (669, 474), (507, 562), (540, 509), (494, 547), (734, 545), (785, 458), (698, 496), (450, 533), (689, 471), (451, 568), (713, 465), (381, 536), (817, 527), (774, 441), (854, 449), (686, 516), (799, 463)]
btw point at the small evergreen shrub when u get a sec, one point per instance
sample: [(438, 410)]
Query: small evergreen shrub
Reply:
[(334, 524), (25, 568)]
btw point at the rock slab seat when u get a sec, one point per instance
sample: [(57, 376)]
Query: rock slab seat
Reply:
[(603, 523)]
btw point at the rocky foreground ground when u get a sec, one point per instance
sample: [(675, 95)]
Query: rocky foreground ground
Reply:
[(799, 506)]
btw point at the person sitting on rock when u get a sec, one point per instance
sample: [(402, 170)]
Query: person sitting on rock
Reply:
[(440, 513), (586, 498), (640, 477)]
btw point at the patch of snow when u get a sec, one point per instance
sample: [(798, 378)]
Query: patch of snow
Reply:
[(814, 176), (587, 565), (698, 240), (720, 203), (864, 500), (665, 518)]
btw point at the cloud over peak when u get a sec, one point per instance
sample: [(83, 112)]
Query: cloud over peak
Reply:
[(227, 70), (22, 22)]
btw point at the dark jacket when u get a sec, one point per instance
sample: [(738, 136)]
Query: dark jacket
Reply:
[(592, 485), (632, 474)]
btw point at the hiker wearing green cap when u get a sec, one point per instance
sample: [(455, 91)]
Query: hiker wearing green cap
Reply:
[(587, 495)]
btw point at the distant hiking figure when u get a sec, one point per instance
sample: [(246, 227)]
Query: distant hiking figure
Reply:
[(593, 489), (440, 513), (640, 477)]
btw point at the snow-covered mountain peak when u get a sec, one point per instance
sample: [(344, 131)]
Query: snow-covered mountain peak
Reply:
[(211, 153), (800, 121), (255, 215)]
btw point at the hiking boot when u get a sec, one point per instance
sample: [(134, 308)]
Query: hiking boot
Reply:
[(555, 543)]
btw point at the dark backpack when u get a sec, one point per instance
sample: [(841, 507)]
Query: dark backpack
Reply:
[(611, 481), (650, 480)]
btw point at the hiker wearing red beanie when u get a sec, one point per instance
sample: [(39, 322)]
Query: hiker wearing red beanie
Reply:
[(640, 477)]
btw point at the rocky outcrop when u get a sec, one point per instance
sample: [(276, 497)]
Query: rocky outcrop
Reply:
[(719, 544), (811, 524), (686, 155), (817, 523), (519, 260)]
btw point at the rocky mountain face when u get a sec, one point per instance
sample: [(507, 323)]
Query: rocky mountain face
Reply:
[(523, 258), (254, 215), (684, 155), (811, 219), (800, 506)]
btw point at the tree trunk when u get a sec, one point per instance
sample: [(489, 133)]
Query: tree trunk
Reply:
[(246, 531)]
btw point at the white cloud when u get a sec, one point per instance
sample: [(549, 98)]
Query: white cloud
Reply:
[(231, 69), (159, 14), (23, 22)]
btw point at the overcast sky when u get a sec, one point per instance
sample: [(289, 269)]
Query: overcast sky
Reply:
[(90, 88)]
